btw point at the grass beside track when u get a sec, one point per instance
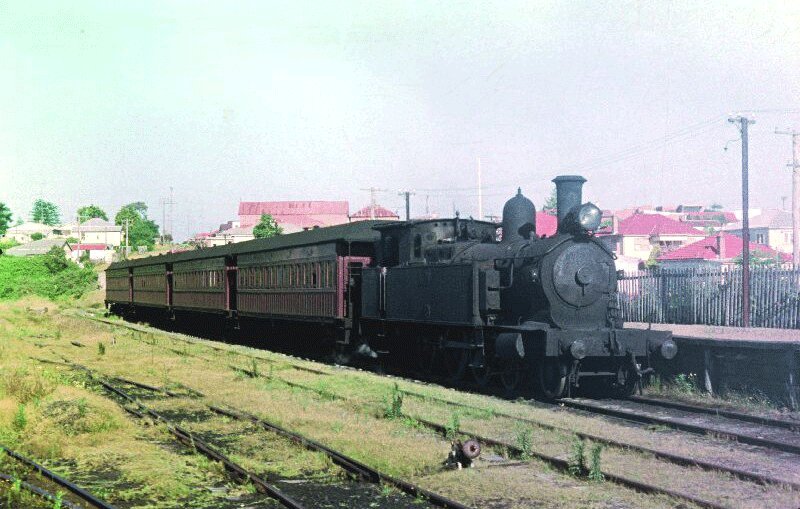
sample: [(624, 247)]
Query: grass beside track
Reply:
[(56, 416)]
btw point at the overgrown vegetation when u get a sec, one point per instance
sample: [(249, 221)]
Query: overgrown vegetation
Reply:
[(51, 275)]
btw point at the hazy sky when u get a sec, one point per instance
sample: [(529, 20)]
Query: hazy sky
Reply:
[(111, 102)]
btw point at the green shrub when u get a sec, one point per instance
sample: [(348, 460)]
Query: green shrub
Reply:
[(50, 275)]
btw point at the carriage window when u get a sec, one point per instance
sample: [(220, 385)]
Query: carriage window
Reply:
[(417, 246)]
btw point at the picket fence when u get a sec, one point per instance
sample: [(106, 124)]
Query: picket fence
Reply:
[(711, 297)]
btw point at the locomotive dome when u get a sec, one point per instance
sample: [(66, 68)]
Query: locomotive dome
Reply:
[(519, 218)]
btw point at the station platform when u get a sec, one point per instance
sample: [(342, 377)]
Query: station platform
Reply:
[(751, 360)]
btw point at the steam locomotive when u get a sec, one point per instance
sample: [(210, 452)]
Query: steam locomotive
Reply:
[(443, 296)]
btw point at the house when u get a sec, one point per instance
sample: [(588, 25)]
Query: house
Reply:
[(375, 212), (230, 235), (94, 231), (721, 249), (639, 234), (97, 252), (37, 247), (23, 233), (772, 228), (294, 216)]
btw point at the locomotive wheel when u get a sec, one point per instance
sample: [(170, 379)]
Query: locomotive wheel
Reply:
[(509, 375), (480, 367), (624, 384), (552, 378)]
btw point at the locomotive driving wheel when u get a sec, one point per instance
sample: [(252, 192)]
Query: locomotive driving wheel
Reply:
[(552, 377), (624, 384), (510, 372)]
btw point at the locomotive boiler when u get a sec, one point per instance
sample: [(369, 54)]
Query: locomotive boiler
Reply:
[(446, 294)]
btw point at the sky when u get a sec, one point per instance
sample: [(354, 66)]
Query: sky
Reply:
[(206, 104)]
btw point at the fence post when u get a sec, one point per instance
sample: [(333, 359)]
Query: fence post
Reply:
[(708, 369), (791, 388)]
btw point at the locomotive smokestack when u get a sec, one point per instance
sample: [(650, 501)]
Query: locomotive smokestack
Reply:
[(568, 193)]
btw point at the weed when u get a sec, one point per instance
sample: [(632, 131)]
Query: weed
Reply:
[(395, 404), (453, 427), (410, 422), (595, 472), (81, 407), (577, 460), (101, 348), (525, 442), (20, 421), (13, 494), (254, 373), (386, 490), (58, 499), (685, 383)]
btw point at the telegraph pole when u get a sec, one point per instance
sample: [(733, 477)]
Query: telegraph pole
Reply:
[(407, 194), (743, 123), (795, 166)]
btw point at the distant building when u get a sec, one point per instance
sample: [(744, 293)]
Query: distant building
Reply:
[(294, 216), (22, 233), (721, 249), (229, 236), (37, 247), (94, 231), (96, 252), (639, 234), (375, 212), (773, 228)]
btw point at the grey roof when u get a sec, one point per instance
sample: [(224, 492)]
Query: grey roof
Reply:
[(773, 219), (36, 247), (30, 227)]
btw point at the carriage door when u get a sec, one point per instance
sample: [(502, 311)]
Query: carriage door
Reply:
[(230, 283)]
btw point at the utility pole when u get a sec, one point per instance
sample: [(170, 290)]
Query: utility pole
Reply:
[(480, 190), (166, 227), (743, 123), (795, 166), (407, 194)]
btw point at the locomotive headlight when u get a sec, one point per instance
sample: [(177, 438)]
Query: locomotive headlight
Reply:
[(589, 216), (578, 349)]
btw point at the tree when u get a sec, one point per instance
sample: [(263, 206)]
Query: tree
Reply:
[(551, 204), (45, 212), (267, 227), (90, 212), (140, 230), (759, 258), (5, 218)]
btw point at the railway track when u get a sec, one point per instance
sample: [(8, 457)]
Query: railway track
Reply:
[(698, 420), (354, 468), (678, 459), (88, 499)]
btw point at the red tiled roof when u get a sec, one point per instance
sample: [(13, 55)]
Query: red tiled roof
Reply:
[(731, 247), (87, 247), (377, 212), (546, 224), (654, 224)]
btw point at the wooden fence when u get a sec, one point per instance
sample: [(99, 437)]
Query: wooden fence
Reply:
[(711, 297)]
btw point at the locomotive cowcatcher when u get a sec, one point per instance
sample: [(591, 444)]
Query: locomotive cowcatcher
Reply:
[(441, 295)]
